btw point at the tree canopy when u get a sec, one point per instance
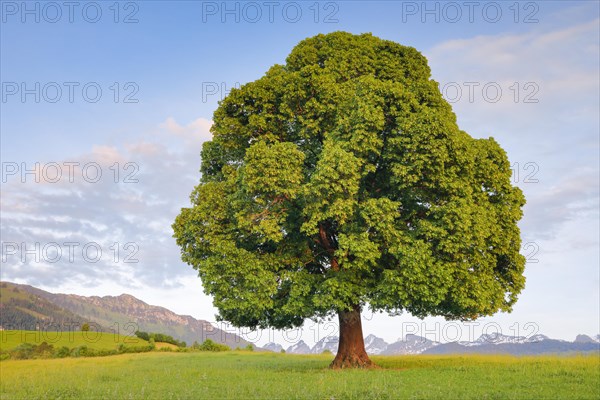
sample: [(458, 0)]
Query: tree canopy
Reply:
[(342, 179)]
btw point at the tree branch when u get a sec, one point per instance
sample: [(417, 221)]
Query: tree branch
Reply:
[(326, 243)]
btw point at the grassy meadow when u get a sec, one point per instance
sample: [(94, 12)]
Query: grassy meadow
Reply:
[(247, 375), (92, 339)]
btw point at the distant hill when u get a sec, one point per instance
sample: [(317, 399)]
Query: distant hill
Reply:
[(122, 314), (22, 310)]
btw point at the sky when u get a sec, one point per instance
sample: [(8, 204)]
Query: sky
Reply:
[(105, 106)]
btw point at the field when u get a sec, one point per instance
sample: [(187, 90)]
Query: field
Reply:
[(244, 375), (162, 345), (93, 340)]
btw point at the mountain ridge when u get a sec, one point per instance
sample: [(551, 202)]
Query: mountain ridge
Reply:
[(494, 343), (31, 308), (126, 314), (27, 311)]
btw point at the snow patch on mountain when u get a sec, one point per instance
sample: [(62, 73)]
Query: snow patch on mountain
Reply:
[(299, 348), (412, 344), (327, 343), (375, 345), (273, 347), (498, 338), (536, 338)]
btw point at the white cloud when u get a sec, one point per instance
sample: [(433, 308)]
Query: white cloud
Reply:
[(560, 66), (574, 197), (556, 54), (140, 190), (559, 133), (194, 132)]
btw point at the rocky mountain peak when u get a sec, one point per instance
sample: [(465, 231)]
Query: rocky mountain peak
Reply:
[(299, 348), (584, 339)]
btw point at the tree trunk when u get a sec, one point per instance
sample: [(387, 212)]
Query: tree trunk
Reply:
[(351, 348)]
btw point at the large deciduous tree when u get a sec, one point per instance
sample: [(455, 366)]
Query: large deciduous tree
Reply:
[(341, 180)]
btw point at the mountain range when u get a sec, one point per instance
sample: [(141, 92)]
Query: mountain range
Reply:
[(494, 343), (28, 308)]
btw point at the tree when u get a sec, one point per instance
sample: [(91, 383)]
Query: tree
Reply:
[(340, 180), (85, 327), (209, 345), (142, 335)]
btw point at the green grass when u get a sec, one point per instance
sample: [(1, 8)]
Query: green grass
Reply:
[(93, 340), (245, 375)]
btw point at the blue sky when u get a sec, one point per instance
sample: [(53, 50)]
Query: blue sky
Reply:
[(174, 63)]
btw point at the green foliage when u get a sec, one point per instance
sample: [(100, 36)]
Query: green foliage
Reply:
[(62, 352), (27, 350), (142, 335), (159, 337), (44, 350), (85, 327), (23, 351), (122, 349), (209, 345), (341, 178), (326, 352), (83, 351)]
